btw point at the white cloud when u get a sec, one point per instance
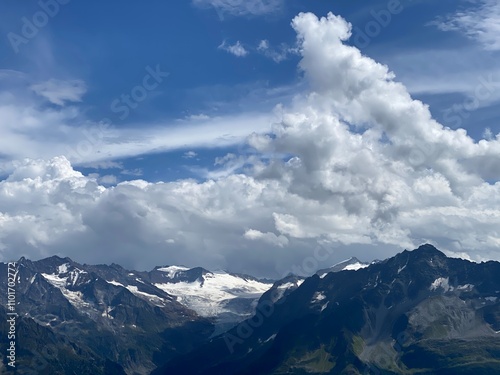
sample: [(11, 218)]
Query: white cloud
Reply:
[(200, 117), (263, 45), (108, 179), (461, 70), (58, 92), (190, 155), (242, 7), (355, 163), (31, 130), (268, 237), (236, 49), (276, 54), (480, 22), (488, 134)]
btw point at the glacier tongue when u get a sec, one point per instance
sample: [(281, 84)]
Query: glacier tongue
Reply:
[(210, 295)]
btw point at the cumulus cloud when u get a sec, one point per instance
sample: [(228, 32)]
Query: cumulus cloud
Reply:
[(355, 164), (59, 92), (236, 49), (242, 7), (480, 22)]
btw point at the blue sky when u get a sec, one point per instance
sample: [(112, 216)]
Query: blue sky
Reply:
[(196, 94), (108, 47)]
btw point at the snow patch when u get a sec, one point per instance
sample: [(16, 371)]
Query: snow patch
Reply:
[(441, 282), (317, 297), (116, 283), (150, 297), (281, 289), (355, 266), (75, 298), (466, 287), (106, 312), (63, 268)]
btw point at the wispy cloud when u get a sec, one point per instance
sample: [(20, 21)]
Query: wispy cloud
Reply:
[(242, 7), (276, 54), (480, 22), (190, 155), (236, 49), (58, 91)]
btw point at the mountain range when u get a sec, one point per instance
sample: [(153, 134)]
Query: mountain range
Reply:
[(418, 312)]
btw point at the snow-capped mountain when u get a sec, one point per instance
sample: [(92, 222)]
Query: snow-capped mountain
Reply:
[(351, 264), (226, 297), (386, 317), (124, 323), (417, 312), (143, 318)]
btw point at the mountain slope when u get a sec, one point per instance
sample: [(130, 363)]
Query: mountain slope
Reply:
[(123, 320), (416, 313), (105, 312)]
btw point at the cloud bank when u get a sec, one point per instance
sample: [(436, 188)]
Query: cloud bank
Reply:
[(356, 164)]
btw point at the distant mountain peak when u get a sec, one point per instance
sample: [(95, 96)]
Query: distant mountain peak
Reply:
[(351, 264), (428, 249)]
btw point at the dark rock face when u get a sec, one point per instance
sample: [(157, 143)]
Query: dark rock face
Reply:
[(418, 312)]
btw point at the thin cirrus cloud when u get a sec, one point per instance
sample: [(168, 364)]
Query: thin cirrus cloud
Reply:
[(480, 23), (276, 54), (241, 7), (43, 133), (60, 91), (399, 180), (31, 129)]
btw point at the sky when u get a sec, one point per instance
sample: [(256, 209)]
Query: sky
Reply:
[(258, 136)]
